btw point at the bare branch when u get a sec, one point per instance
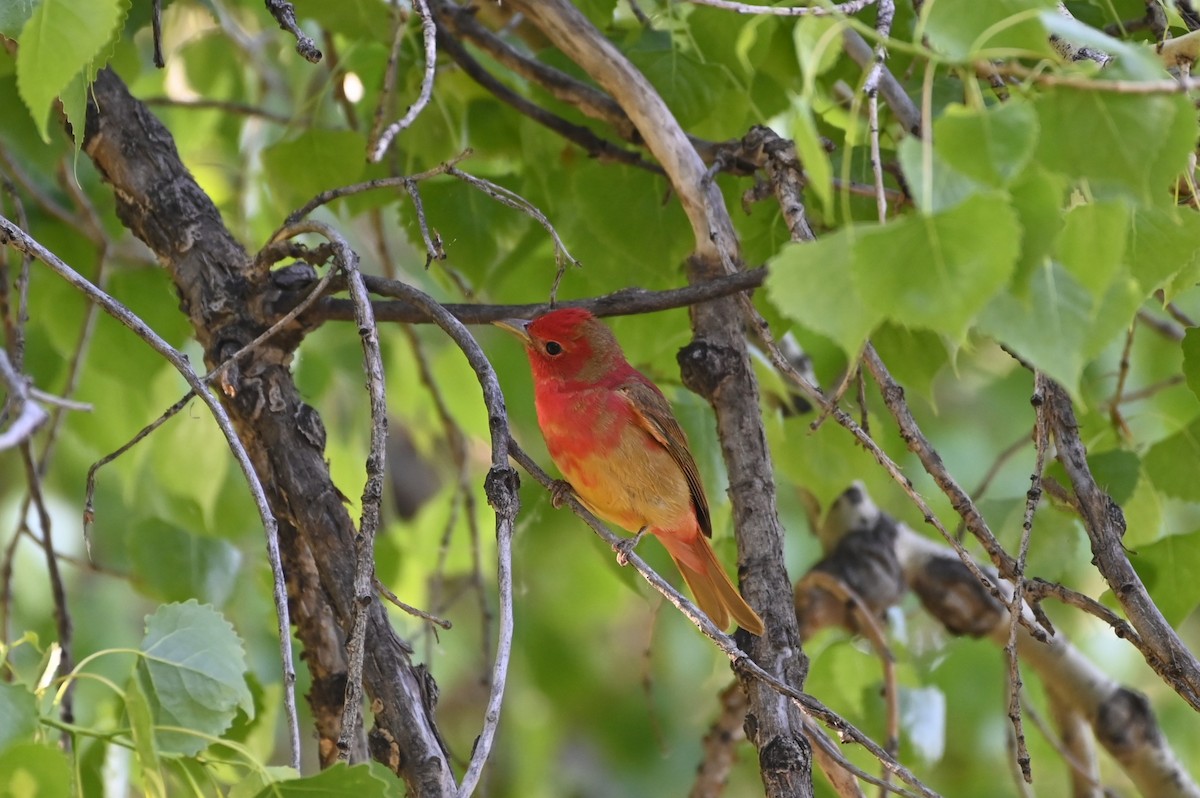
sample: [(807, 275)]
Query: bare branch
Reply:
[(285, 15), (429, 36)]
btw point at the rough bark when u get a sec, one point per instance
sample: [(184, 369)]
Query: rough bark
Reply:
[(225, 296)]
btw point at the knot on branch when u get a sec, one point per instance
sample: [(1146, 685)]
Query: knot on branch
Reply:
[(1125, 722), (784, 755), (501, 487), (705, 366), (953, 595)]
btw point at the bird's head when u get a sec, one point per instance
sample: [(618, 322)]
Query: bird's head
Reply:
[(568, 345)]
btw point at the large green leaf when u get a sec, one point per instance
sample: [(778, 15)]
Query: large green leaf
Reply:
[(937, 272), (1163, 242), (18, 713), (1135, 143), (32, 770), (314, 161), (812, 284), (172, 564), (1091, 245), (1058, 326), (990, 145), (1169, 569), (335, 782), (1173, 463), (61, 38), (963, 28), (13, 16), (192, 670)]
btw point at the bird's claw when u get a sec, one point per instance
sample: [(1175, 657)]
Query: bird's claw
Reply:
[(625, 547), (560, 491)]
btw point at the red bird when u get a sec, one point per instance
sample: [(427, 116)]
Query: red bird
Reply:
[(610, 430)]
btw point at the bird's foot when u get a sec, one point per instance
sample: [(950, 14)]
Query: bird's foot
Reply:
[(560, 491), (625, 547)]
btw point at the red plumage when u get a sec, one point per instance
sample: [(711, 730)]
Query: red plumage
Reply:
[(610, 430)]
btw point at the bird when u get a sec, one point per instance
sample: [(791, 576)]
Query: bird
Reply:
[(610, 431)]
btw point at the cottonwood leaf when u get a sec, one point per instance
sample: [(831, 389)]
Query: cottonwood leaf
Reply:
[(961, 29), (1172, 464), (1191, 359), (1169, 569), (18, 713), (13, 16), (937, 272), (33, 770), (335, 782), (170, 563), (1091, 245), (812, 285), (61, 38), (191, 670), (312, 162), (1125, 134), (992, 145), (1047, 327), (1162, 242)]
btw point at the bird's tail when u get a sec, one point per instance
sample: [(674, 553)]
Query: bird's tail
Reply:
[(706, 578)]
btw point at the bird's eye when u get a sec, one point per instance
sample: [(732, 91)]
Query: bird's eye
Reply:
[(553, 348)]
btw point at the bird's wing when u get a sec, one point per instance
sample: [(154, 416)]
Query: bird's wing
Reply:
[(653, 414)]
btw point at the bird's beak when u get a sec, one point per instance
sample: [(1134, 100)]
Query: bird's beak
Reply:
[(518, 327)]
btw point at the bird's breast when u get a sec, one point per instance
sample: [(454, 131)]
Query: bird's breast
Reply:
[(616, 467)]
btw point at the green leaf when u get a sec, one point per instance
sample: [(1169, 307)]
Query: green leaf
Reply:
[(1037, 199), (1091, 244), (991, 145), (1162, 243), (1143, 514), (1172, 464), (59, 41), (312, 162), (1191, 359), (1169, 569), (335, 782), (962, 29), (1058, 327), (13, 16), (812, 285), (32, 770), (812, 154), (192, 670), (936, 185), (18, 713), (1125, 134), (141, 728), (913, 356), (1117, 472), (194, 435), (937, 272), (172, 564)]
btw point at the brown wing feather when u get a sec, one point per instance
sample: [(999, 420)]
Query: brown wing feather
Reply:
[(653, 413)]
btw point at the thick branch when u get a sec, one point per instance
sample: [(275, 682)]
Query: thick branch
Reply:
[(717, 367), (1105, 524), (221, 291)]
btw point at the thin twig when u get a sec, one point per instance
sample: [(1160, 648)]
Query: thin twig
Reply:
[(429, 37), (410, 609), (1032, 498), (847, 8), (372, 496), (285, 15)]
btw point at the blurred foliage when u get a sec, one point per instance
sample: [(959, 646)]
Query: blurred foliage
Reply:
[(1047, 222)]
